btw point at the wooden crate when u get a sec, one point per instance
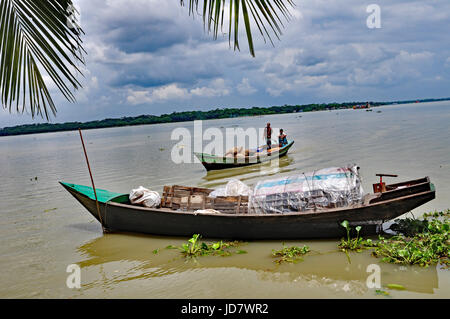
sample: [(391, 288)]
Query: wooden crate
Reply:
[(194, 198)]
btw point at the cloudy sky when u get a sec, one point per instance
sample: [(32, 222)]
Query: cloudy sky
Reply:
[(151, 57)]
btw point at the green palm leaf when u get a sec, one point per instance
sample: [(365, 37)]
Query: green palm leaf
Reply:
[(39, 38), (265, 14)]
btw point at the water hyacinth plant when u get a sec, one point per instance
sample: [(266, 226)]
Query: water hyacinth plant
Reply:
[(428, 246), (291, 254), (354, 244), (418, 242), (193, 248)]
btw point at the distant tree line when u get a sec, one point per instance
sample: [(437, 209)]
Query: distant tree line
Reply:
[(186, 116)]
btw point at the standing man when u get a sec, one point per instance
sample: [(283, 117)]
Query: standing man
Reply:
[(268, 136)]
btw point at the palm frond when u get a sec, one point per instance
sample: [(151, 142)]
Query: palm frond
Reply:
[(265, 14), (39, 38)]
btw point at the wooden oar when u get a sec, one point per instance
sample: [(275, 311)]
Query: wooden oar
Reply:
[(92, 180)]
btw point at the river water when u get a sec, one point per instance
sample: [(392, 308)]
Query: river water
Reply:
[(43, 229)]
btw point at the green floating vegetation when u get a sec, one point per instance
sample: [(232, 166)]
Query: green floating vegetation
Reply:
[(418, 242), (354, 244), (411, 226), (291, 254), (395, 286), (382, 292), (195, 248), (421, 242)]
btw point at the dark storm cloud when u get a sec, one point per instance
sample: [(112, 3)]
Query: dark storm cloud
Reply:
[(150, 56), (147, 35), (162, 72)]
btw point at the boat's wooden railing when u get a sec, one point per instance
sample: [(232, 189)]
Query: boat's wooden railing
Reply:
[(403, 189), (408, 183)]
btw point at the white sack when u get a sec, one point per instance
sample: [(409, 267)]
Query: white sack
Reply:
[(145, 197)]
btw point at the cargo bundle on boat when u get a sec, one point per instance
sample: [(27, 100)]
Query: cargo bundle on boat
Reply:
[(194, 198)]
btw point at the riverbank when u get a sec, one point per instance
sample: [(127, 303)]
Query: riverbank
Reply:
[(190, 116)]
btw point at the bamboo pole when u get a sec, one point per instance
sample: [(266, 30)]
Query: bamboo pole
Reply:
[(92, 180)]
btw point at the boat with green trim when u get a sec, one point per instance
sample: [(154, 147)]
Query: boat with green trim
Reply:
[(116, 213), (260, 155)]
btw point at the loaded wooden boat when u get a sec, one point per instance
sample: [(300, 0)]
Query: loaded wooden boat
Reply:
[(177, 216), (261, 155)]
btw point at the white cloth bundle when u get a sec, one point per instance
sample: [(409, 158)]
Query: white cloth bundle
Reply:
[(145, 197)]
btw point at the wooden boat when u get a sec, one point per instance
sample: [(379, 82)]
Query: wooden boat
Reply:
[(212, 162), (117, 214)]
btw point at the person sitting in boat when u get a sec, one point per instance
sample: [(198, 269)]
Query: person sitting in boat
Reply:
[(268, 136), (282, 138)]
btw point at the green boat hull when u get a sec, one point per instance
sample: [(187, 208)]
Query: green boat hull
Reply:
[(211, 162)]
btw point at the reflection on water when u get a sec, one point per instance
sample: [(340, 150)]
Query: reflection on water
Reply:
[(119, 258), (43, 229)]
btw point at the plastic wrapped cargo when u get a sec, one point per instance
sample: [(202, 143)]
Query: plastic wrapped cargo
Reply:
[(322, 189), (233, 188)]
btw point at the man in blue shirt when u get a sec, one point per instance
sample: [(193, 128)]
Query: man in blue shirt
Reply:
[(282, 138)]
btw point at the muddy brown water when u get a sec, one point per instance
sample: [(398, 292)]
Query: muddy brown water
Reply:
[(43, 229)]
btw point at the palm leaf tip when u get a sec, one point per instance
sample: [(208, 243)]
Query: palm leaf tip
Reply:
[(39, 39), (265, 14)]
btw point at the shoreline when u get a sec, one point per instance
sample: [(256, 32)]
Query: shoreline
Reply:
[(187, 116)]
